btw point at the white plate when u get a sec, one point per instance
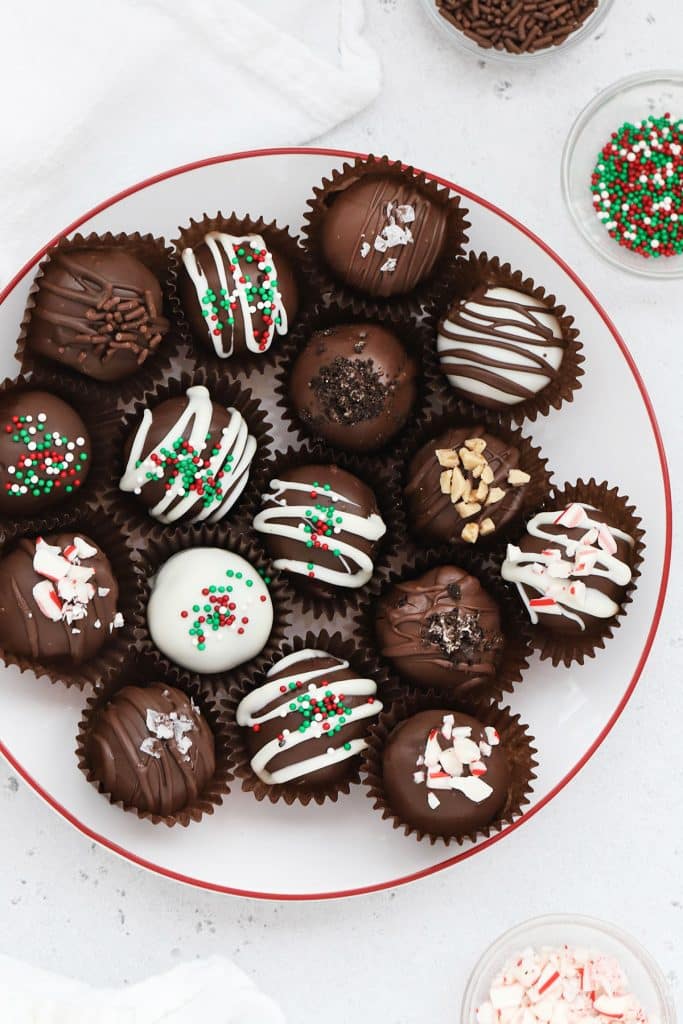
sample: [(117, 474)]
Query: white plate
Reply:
[(609, 431)]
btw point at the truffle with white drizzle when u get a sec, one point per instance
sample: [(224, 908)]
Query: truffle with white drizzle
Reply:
[(308, 722), (445, 773), (151, 748), (237, 293), (571, 569), (322, 524), (189, 459)]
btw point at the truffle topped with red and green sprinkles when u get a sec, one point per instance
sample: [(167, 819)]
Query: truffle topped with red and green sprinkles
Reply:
[(637, 186), (209, 610), (237, 293), (45, 452)]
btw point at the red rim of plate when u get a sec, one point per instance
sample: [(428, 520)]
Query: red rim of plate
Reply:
[(448, 862)]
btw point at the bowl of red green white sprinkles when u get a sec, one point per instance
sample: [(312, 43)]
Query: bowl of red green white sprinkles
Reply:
[(622, 174)]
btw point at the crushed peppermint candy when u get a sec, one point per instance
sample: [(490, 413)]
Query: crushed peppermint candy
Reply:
[(565, 984), (389, 266), (394, 233), (364, 250), (168, 727), (459, 766), (64, 593)]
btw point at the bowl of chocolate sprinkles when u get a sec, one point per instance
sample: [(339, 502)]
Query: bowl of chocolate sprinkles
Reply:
[(516, 30)]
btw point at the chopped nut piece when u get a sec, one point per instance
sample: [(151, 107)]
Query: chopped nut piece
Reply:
[(471, 459), (486, 526), (475, 444), (477, 471), (445, 481), (481, 492), (448, 457), (495, 494), (517, 477), (470, 533), (465, 509), (487, 475), (467, 489), (457, 485)]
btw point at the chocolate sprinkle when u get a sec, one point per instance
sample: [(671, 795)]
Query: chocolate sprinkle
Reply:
[(350, 390), (518, 26)]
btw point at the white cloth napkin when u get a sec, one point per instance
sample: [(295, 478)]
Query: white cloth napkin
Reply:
[(205, 990), (100, 95)]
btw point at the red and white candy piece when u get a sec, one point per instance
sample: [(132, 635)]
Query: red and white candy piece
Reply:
[(45, 596)]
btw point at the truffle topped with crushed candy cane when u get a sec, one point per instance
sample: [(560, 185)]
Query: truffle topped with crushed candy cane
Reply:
[(568, 985), (445, 773), (58, 598), (571, 569)]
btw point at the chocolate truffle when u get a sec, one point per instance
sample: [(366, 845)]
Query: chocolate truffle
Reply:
[(209, 610), (151, 748), (237, 294), (464, 485), (322, 524), (445, 774), (189, 459), (354, 385), (500, 346), (98, 311), (45, 452), (571, 569), (307, 724), (441, 630), (58, 599), (383, 235)]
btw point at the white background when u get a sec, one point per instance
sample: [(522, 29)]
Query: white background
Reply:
[(610, 845)]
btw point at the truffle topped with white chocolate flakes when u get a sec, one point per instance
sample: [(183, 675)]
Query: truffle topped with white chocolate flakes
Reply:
[(464, 485)]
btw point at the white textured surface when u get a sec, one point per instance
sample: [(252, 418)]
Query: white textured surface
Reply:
[(612, 844)]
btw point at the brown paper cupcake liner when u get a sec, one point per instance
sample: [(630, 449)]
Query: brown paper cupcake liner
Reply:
[(107, 535), (568, 649), (531, 461), (516, 651), (381, 479), (412, 335), (345, 296), (140, 673), (158, 258), (223, 390), (478, 269), (157, 544), (515, 739), (98, 420), (276, 237), (361, 661)]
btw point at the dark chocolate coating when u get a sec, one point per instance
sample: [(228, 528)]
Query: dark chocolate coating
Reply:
[(441, 630), (432, 514), (68, 455), (98, 311), (361, 504), (27, 632), (160, 785), (192, 308), (354, 385), (332, 774), (562, 624), (456, 814), (357, 214)]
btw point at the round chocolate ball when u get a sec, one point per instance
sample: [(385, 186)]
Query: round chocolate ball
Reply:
[(237, 293), (306, 725), (58, 599), (188, 459), (45, 452), (464, 486), (354, 385), (151, 748), (382, 235), (445, 773), (209, 610), (571, 568), (441, 630), (98, 311), (321, 524)]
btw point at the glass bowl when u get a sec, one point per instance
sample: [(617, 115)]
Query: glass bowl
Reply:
[(630, 99), (469, 46), (645, 979)]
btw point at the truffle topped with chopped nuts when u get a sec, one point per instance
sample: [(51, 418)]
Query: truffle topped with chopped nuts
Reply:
[(464, 485)]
